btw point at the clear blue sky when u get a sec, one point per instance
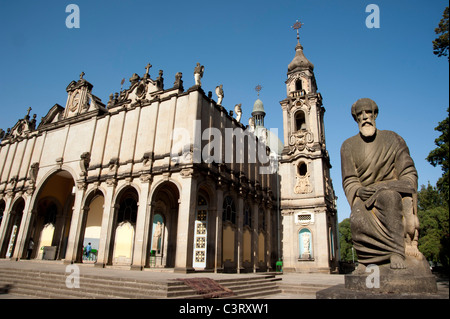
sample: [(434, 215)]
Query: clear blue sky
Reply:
[(241, 44)]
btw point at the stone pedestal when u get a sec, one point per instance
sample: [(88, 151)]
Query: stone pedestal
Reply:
[(379, 282)]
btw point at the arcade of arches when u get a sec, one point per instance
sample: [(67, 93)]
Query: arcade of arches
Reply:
[(125, 227)]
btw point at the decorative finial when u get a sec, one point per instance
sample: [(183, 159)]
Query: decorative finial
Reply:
[(258, 88), (148, 68), (81, 75), (29, 110), (297, 26)]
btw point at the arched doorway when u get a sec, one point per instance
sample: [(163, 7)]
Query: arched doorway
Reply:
[(91, 227), (12, 230), (163, 236), (52, 216), (124, 227)]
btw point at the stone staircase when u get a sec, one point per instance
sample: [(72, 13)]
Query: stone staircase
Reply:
[(242, 288), (52, 285), (303, 290)]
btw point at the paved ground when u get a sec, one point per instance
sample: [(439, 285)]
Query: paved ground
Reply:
[(163, 276)]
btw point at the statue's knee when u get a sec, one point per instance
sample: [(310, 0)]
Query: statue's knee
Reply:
[(389, 197)]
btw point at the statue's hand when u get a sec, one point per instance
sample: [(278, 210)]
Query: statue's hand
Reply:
[(365, 192)]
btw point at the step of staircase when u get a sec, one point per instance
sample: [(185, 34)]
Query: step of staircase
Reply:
[(242, 288), (52, 285), (302, 290)]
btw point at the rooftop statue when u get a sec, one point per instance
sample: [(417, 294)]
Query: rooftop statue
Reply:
[(198, 74)]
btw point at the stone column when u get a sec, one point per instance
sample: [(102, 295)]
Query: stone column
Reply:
[(75, 224), (268, 237), (106, 228), (290, 241), (218, 235), (142, 227), (238, 251), (255, 233), (5, 221), (185, 227), (23, 230)]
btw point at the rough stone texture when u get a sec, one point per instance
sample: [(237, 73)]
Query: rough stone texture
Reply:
[(415, 278), (340, 292)]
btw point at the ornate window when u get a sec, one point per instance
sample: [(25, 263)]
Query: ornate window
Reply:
[(304, 218), (247, 216), (298, 85), (229, 210), (302, 169), (300, 121)]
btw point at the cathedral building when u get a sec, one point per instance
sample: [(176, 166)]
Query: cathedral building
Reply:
[(168, 178)]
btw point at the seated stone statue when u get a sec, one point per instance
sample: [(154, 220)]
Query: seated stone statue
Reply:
[(380, 183)]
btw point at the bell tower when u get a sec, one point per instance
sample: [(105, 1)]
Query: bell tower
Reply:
[(308, 208)]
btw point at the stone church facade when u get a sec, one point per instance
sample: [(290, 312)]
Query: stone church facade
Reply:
[(151, 180), (117, 176)]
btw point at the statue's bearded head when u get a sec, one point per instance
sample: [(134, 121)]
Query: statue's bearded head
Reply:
[(365, 112)]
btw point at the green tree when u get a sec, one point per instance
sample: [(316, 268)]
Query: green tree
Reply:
[(440, 44), (434, 225), (439, 156), (345, 241)]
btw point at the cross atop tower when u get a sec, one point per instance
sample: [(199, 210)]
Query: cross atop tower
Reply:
[(258, 88), (297, 26), (81, 75)]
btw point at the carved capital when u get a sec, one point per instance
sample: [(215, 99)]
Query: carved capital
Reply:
[(81, 185), (145, 178), (112, 182), (187, 173)]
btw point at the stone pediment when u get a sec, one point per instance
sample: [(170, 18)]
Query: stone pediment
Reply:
[(53, 115), (22, 129), (80, 83)]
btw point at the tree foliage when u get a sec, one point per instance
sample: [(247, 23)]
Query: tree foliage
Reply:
[(434, 225), (345, 241), (439, 156), (440, 44)]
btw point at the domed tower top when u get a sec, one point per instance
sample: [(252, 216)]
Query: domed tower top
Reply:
[(258, 112), (300, 62), (301, 79)]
